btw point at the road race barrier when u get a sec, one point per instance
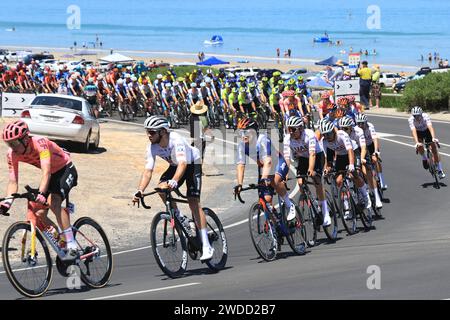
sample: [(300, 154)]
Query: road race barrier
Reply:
[(13, 103), (346, 88)]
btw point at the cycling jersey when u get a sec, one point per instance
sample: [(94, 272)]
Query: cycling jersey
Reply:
[(193, 97), (224, 95), (133, 86), (244, 98), (357, 138), (420, 124), (90, 90), (122, 90), (257, 150), (370, 133), (41, 152), (290, 107), (341, 145), (326, 108), (178, 150), (302, 147)]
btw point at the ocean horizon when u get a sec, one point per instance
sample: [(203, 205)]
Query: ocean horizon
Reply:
[(407, 29)]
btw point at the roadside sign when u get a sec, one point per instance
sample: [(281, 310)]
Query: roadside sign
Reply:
[(353, 60), (14, 103), (347, 87)]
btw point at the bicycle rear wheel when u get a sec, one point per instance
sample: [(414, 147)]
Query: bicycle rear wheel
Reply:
[(96, 261), (262, 233), (217, 239), (168, 245), (30, 276), (308, 221)]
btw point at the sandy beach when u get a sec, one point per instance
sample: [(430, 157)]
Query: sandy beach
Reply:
[(283, 64)]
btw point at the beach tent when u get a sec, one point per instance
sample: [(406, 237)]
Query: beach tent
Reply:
[(331, 61), (318, 82), (117, 58), (211, 61)]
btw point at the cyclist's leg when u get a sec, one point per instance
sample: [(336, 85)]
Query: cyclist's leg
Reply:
[(320, 190)]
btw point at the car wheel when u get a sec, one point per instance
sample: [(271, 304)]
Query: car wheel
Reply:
[(86, 144), (94, 146)]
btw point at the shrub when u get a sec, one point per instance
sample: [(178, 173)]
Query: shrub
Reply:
[(432, 92)]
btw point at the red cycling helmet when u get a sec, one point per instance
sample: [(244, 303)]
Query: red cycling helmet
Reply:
[(288, 93), (342, 101), (351, 98), (325, 95), (15, 130)]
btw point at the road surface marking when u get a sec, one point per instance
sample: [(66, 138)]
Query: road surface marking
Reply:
[(412, 146)]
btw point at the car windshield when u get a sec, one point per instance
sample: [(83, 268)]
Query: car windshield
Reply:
[(57, 101)]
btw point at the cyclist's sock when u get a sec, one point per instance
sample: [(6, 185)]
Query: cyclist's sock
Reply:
[(381, 177), (287, 201), (205, 241), (68, 233), (377, 195), (439, 165), (325, 207)]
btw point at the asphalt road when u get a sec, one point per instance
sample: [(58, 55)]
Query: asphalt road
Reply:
[(410, 247)]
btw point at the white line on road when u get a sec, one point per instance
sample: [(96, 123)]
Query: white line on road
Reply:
[(400, 117), (145, 291), (403, 136), (411, 145)]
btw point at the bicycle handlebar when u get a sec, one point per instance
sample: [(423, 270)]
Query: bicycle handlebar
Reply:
[(166, 191), (250, 187), (30, 195)]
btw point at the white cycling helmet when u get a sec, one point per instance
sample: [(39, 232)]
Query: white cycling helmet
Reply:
[(133, 78), (361, 118), (100, 77), (175, 83), (346, 122), (294, 122), (156, 123), (91, 80), (168, 85), (326, 127), (193, 85), (120, 81), (416, 111), (231, 75), (203, 84), (159, 76)]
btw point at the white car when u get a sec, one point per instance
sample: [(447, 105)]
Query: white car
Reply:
[(387, 79), (63, 118), (246, 72)]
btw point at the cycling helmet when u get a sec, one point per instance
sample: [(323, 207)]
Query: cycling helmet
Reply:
[(120, 81), (294, 122), (265, 79), (100, 77), (133, 78), (231, 75), (247, 123), (277, 74), (91, 80), (342, 101), (127, 76), (361, 118), (325, 95), (175, 83), (351, 98), (193, 85), (280, 82), (300, 78), (203, 84), (156, 123), (241, 78), (416, 111), (252, 85), (346, 122), (291, 81), (15, 130), (326, 127), (119, 66), (159, 76)]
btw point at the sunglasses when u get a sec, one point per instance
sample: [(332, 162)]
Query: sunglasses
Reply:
[(152, 132), (328, 135), (292, 130)]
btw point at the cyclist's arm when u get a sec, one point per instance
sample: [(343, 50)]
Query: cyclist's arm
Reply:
[(430, 127), (414, 135), (45, 159), (240, 173), (13, 185), (145, 179)]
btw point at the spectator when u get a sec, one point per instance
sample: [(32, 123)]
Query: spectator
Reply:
[(278, 52), (365, 81), (430, 57), (376, 89), (445, 64), (198, 126), (289, 53), (329, 72), (338, 72)]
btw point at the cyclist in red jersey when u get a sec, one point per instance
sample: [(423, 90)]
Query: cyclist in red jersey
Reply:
[(59, 176), (326, 105)]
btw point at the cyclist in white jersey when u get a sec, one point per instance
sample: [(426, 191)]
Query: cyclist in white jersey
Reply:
[(337, 143), (422, 130), (185, 164), (373, 145), (358, 139), (302, 145)]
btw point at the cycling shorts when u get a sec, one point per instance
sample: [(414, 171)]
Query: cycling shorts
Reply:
[(62, 181), (424, 135), (341, 162), (192, 176), (303, 164)]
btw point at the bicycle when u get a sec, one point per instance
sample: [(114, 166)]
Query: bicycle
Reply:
[(376, 211), (314, 215), (432, 166), (268, 227), (168, 235), (26, 256)]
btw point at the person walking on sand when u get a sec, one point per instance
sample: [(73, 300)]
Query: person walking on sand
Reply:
[(289, 53), (278, 52)]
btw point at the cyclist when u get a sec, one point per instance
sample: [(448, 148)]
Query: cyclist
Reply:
[(256, 146), (373, 145), (90, 92), (246, 103), (422, 130), (357, 136), (228, 109), (325, 105), (59, 176), (194, 95), (304, 147), (185, 165), (276, 76), (337, 143)]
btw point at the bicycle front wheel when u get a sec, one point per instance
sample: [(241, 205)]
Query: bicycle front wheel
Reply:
[(217, 239), (96, 260), (296, 232), (262, 233), (168, 245), (308, 220), (331, 231), (347, 210), (29, 274)]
